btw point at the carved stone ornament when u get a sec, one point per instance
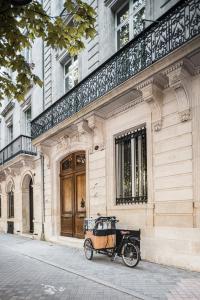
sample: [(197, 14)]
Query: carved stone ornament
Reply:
[(63, 142), (152, 94), (180, 81), (96, 124)]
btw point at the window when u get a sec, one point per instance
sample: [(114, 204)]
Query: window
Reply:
[(10, 132), (0, 206), (27, 55), (27, 114), (129, 21), (131, 167), (70, 73), (10, 204)]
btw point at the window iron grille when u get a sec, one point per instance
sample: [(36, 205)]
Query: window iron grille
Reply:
[(21, 145), (131, 168)]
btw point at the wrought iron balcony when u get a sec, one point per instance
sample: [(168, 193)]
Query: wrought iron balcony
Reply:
[(172, 30), (21, 145)]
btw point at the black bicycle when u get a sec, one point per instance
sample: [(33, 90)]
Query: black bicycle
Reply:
[(101, 236)]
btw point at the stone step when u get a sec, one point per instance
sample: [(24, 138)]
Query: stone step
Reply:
[(68, 241)]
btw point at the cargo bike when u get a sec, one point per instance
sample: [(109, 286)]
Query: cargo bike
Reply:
[(101, 236)]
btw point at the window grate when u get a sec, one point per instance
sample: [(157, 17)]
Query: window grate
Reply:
[(131, 167)]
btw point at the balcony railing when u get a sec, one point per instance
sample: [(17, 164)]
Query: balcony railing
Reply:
[(172, 30), (21, 145)]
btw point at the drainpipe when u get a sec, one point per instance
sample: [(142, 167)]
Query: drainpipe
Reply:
[(43, 95), (42, 194)]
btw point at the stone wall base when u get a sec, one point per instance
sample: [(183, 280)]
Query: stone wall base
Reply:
[(179, 247)]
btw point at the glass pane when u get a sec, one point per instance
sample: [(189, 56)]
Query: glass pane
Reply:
[(67, 164), (127, 191), (137, 4), (28, 121), (67, 195), (80, 160), (123, 36), (138, 22), (123, 14), (68, 83), (28, 114), (67, 66), (75, 76)]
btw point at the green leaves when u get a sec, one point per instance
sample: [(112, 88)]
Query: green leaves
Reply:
[(20, 26)]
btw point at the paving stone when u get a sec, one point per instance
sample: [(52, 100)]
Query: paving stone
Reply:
[(31, 269)]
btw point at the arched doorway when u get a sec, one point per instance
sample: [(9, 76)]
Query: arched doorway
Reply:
[(27, 205), (73, 191)]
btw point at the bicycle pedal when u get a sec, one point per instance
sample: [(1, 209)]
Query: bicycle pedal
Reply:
[(114, 257)]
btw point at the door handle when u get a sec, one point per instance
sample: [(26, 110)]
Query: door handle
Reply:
[(81, 216), (82, 203)]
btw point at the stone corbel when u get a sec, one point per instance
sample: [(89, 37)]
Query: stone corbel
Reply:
[(152, 94), (7, 172), (180, 81), (96, 124), (83, 127), (28, 163), (15, 171), (2, 176)]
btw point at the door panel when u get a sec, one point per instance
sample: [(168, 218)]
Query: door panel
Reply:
[(67, 206), (31, 207), (73, 192), (67, 194), (80, 192), (80, 212)]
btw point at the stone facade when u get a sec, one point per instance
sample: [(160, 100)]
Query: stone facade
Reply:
[(165, 99)]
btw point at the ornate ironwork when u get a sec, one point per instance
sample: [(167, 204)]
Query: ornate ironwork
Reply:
[(131, 167), (176, 27), (21, 145)]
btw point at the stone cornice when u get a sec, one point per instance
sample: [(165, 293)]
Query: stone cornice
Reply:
[(8, 108), (125, 107)]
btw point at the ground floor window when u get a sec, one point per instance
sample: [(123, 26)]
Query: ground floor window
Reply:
[(131, 167), (11, 204)]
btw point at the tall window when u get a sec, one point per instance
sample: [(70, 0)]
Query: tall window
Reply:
[(70, 73), (10, 204), (131, 167), (27, 114), (10, 132), (129, 21)]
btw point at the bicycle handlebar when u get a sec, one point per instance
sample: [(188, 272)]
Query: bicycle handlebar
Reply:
[(109, 219)]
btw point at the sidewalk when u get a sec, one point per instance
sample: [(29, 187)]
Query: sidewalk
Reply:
[(146, 281)]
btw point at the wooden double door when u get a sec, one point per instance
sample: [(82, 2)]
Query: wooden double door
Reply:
[(73, 191)]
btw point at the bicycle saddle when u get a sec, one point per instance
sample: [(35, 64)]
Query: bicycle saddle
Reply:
[(123, 232)]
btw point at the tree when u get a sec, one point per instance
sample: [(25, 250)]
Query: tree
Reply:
[(20, 25)]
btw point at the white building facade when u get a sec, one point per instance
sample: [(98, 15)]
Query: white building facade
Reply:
[(115, 131)]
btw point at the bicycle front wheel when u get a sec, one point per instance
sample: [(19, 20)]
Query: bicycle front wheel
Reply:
[(88, 249), (130, 255)]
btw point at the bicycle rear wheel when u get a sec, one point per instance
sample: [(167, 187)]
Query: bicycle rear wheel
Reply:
[(130, 255)]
